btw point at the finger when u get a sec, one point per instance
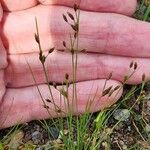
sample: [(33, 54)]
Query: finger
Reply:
[(90, 67), (29, 106), (3, 61), (103, 33), (2, 85), (13, 5), (126, 7)]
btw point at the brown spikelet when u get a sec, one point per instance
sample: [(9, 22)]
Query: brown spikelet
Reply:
[(135, 65), (116, 88), (65, 18), (75, 7), (45, 106), (143, 77), (64, 93), (83, 50), (110, 93), (51, 50), (66, 76), (105, 92), (64, 44), (72, 51), (75, 27), (48, 100), (70, 15), (36, 38), (75, 35), (131, 64), (58, 110), (42, 58)]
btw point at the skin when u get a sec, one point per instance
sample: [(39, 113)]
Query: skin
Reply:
[(112, 40)]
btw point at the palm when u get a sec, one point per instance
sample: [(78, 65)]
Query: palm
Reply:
[(115, 38)]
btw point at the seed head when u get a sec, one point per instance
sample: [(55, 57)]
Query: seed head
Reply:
[(42, 58), (58, 110), (36, 38), (45, 106), (135, 65), (116, 88), (66, 76), (131, 64), (110, 93), (75, 7), (143, 77), (65, 18), (70, 15), (75, 27), (75, 35), (48, 100), (72, 51), (83, 50), (51, 50), (64, 44), (105, 92), (64, 93)]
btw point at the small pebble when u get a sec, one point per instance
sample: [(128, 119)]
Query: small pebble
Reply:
[(54, 133), (124, 147), (129, 128), (148, 104), (121, 114), (121, 142), (147, 128), (39, 148), (37, 137)]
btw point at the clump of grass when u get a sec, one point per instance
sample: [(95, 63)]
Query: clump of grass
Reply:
[(143, 10), (81, 139)]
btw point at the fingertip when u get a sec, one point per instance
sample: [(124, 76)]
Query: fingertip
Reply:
[(116, 95), (15, 5), (132, 6), (91, 92), (126, 7), (29, 106), (112, 97)]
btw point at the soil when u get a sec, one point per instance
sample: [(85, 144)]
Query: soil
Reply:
[(128, 133)]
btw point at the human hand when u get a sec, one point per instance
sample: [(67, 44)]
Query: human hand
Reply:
[(116, 39), (3, 64)]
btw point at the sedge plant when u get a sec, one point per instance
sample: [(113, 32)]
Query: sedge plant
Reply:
[(77, 137)]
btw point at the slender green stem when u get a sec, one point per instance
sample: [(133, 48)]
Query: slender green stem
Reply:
[(147, 13)]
